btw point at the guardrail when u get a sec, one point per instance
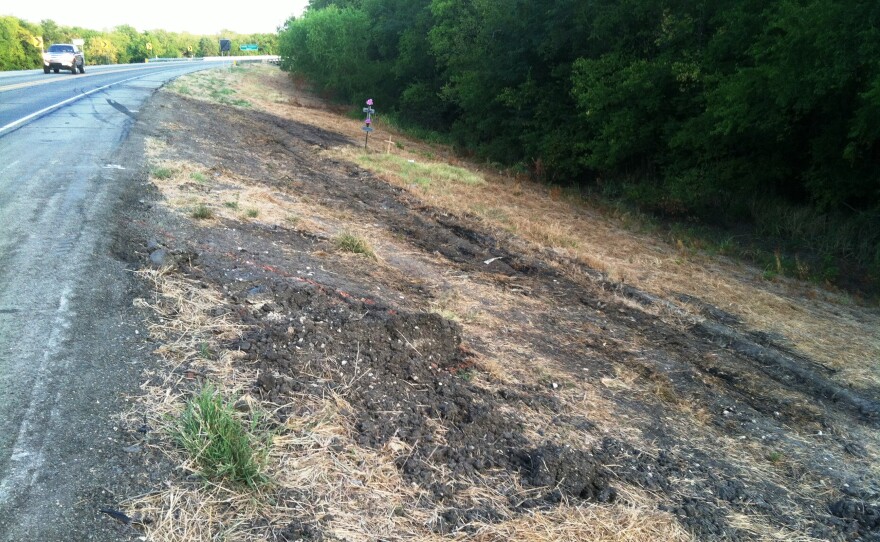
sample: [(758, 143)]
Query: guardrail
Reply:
[(273, 59)]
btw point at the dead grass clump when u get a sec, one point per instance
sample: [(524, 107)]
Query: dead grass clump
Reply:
[(597, 523), (185, 320)]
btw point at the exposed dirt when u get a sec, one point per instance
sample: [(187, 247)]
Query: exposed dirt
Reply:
[(565, 383)]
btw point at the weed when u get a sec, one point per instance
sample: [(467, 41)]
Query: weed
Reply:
[(219, 441), (202, 212), (292, 219), (162, 173), (198, 177), (252, 213), (352, 243), (222, 92), (231, 205), (466, 374), (775, 457)]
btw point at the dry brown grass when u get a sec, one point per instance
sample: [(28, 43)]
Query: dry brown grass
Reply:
[(320, 475), (824, 325), (229, 196)]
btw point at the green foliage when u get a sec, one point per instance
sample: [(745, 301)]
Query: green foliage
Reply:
[(330, 45), (17, 46), (220, 442), (124, 44)]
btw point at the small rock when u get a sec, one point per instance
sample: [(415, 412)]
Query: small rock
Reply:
[(152, 244), (158, 257), (133, 449)]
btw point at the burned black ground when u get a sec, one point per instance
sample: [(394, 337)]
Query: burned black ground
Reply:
[(319, 321)]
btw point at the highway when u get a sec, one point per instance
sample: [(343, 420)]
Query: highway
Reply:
[(71, 344), (25, 93)]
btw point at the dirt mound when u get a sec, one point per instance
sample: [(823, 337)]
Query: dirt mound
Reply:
[(407, 376), (573, 473)]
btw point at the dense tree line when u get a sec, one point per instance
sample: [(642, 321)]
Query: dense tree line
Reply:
[(20, 47), (704, 108)]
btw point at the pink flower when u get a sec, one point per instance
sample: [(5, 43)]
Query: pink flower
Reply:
[(370, 101), (368, 121)]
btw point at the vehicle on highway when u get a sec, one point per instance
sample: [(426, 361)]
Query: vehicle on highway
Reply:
[(64, 55)]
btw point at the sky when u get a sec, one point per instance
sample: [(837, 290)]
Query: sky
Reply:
[(263, 16)]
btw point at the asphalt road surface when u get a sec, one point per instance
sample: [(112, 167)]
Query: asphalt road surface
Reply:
[(71, 344)]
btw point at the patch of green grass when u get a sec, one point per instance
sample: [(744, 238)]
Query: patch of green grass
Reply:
[(221, 443), (252, 213), (775, 457), (225, 91), (239, 102), (348, 242), (202, 211), (198, 177), (420, 173), (182, 89), (231, 204), (162, 172), (492, 213)]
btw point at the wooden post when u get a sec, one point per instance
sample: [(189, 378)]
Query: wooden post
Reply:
[(388, 147)]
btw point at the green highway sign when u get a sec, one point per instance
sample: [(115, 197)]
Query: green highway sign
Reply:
[(249, 47)]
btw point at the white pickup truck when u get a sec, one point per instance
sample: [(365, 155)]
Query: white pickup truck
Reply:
[(64, 55)]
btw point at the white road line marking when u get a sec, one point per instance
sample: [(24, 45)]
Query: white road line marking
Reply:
[(22, 120), (27, 84)]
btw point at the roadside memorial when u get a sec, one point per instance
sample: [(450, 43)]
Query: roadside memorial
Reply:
[(368, 122)]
